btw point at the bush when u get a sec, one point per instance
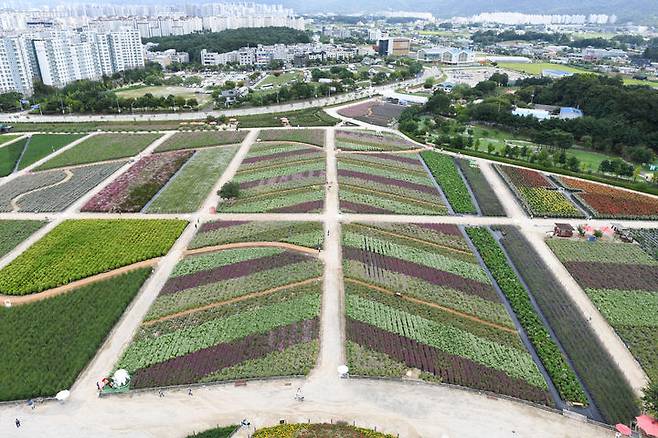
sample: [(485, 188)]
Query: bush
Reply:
[(230, 190)]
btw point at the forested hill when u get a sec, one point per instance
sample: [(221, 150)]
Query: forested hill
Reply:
[(228, 40)]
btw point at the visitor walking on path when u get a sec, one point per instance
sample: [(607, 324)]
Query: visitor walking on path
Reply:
[(18, 423)]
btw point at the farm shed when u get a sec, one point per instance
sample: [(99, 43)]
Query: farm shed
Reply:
[(563, 230)]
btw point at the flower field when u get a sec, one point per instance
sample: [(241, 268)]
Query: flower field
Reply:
[(279, 178), (133, 189), (201, 139), (549, 353), (610, 202), (606, 384), (447, 176), (317, 430), (357, 140), (13, 232), (374, 112), (27, 183), (101, 147), (41, 145), (77, 249), (308, 234), (187, 190), (622, 282), (447, 320), (484, 194), (60, 335), (69, 189), (387, 183), (648, 239), (537, 194), (310, 136), (230, 314)]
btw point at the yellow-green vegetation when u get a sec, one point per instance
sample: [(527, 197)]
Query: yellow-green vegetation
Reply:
[(317, 431), (164, 91), (77, 249), (536, 68), (281, 79)]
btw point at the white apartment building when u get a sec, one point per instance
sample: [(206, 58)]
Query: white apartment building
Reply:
[(15, 66), (262, 55), (59, 57)]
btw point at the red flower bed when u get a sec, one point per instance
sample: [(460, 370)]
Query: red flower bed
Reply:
[(431, 275), (526, 178), (194, 366), (450, 368), (608, 201)]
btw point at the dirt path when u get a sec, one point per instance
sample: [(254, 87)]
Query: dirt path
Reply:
[(230, 301), (435, 305), (16, 300), (282, 245)]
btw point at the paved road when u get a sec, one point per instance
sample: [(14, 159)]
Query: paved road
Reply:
[(397, 407)]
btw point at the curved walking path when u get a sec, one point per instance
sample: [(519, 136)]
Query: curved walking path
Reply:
[(282, 245), (16, 300), (14, 202)]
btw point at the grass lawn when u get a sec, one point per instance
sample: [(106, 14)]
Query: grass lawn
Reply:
[(14, 232), (164, 91), (4, 138), (589, 160), (282, 79), (537, 68), (190, 187), (41, 145), (631, 81), (102, 147), (9, 156)]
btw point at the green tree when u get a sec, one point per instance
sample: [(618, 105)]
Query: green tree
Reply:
[(230, 190)]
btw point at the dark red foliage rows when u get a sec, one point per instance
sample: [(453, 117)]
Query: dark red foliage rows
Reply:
[(451, 229), (387, 181), (614, 275), (210, 226), (193, 366), (302, 207), (452, 369), (280, 155), (357, 207), (282, 179)]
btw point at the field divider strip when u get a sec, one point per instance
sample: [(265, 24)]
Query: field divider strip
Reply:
[(230, 301), (59, 290), (261, 244), (435, 305)]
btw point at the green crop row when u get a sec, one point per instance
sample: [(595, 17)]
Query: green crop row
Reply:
[(445, 173)]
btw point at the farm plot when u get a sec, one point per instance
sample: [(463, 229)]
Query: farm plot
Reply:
[(648, 239), (597, 370), (27, 183), (9, 156), (538, 196), (14, 232), (231, 314), (133, 189), (358, 140), (308, 234), (60, 335), (187, 190), (309, 136), (374, 112), (41, 145), (610, 202), (77, 249), (317, 430), (201, 139), (622, 282), (445, 173), (74, 184), (424, 302), (387, 183), (484, 194), (101, 147), (549, 353), (279, 178)]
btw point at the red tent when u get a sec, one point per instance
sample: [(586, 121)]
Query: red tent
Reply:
[(623, 429), (648, 425)]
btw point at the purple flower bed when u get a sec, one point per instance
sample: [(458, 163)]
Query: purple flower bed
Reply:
[(281, 155), (283, 179), (450, 368), (442, 228), (357, 207), (193, 366), (360, 109), (431, 275), (614, 275), (211, 226), (302, 207), (227, 272), (366, 137), (387, 181), (398, 158), (132, 190)]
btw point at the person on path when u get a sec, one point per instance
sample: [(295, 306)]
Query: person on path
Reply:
[(189, 392), (160, 393), (18, 423)]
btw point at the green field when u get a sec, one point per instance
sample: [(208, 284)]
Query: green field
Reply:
[(4, 138), (282, 79), (41, 145), (9, 156), (536, 68), (102, 147), (164, 91), (14, 232)]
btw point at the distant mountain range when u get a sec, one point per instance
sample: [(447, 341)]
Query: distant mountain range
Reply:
[(636, 10)]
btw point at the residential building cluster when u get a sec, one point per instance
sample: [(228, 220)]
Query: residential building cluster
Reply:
[(57, 57), (516, 18), (297, 54), (166, 57), (446, 55)]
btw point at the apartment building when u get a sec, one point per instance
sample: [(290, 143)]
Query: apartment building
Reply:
[(15, 66), (295, 53)]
